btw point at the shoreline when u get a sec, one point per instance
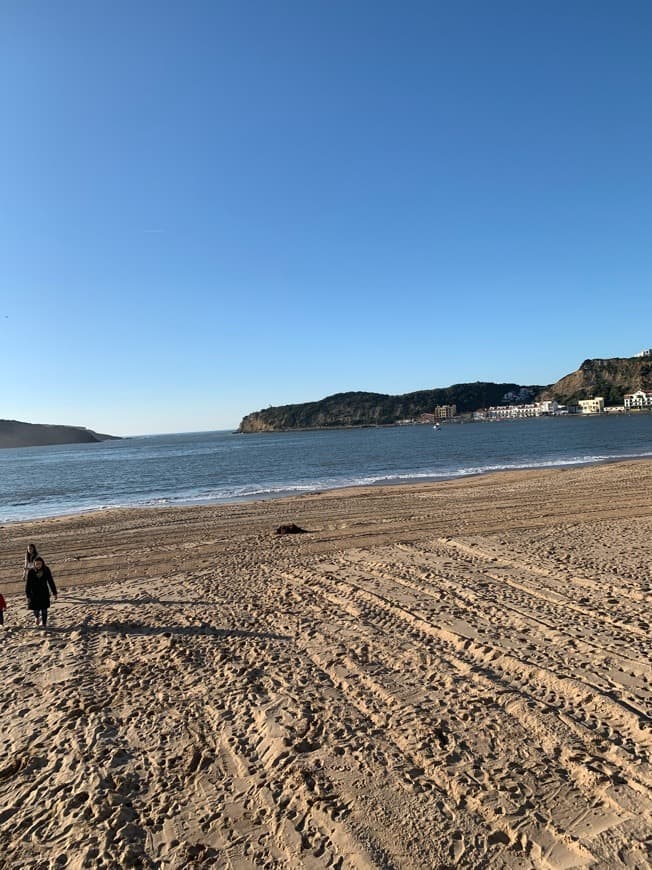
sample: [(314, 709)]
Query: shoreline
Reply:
[(72, 529), (288, 494), (450, 674)]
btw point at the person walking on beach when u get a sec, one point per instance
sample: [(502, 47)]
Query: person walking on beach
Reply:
[(30, 555), (38, 586), (3, 607)]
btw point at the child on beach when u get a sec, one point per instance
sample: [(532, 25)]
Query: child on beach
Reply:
[(30, 555), (3, 607)]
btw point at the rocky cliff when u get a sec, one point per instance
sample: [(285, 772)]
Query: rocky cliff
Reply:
[(377, 409), (609, 378), (13, 433)]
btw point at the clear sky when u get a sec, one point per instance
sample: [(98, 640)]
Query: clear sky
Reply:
[(211, 207)]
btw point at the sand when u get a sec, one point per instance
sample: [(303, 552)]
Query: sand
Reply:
[(433, 676)]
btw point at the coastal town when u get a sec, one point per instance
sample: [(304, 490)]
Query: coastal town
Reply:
[(515, 406), (641, 400)]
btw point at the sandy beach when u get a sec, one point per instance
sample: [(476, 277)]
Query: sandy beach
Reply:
[(438, 675)]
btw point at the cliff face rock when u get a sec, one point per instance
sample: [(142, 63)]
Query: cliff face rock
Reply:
[(610, 378), (378, 409), (13, 433)]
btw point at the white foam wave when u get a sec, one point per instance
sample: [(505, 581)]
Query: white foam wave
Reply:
[(278, 489)]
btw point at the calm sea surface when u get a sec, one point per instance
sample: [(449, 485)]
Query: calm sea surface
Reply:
[(201, 468)]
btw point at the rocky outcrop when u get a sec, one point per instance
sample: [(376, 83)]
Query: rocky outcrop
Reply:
[(377, 409), (609, 378), (13, 433)]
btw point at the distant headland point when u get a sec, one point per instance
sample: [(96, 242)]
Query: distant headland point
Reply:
[(14, 433)]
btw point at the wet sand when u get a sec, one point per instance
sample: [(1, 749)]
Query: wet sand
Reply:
[(440, 675)]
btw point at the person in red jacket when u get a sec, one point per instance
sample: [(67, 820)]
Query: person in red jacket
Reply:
[(3, 607), (37, 589)]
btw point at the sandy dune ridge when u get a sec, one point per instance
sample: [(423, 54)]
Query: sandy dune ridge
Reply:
[(446, 675)]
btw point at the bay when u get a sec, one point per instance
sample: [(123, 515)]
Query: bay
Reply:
[(213, 467)]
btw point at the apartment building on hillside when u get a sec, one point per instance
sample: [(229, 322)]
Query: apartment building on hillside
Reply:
[(445, 412)]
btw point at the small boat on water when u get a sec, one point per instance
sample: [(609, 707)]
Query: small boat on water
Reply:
[(436, 427)]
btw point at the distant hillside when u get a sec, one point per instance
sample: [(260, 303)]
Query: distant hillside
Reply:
[(609, 378), (377, 409), (13, 433)]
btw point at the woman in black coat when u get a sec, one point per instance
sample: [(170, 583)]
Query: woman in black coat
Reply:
[(37, 589)]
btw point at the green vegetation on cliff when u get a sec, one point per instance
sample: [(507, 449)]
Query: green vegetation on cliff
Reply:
[(377, 409), (609, 378)]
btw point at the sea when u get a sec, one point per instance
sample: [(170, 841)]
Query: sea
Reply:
[(213, 467)]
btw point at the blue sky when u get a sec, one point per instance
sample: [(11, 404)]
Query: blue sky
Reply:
[(211, 207)]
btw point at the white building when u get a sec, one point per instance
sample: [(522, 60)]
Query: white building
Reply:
[(647, 352), (591, 406), (639, 399), (512, 412)]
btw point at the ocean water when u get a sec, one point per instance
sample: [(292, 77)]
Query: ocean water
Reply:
[(210, 467)]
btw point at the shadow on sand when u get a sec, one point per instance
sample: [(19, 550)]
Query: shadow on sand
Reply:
[(99, 602), (133, 628)]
